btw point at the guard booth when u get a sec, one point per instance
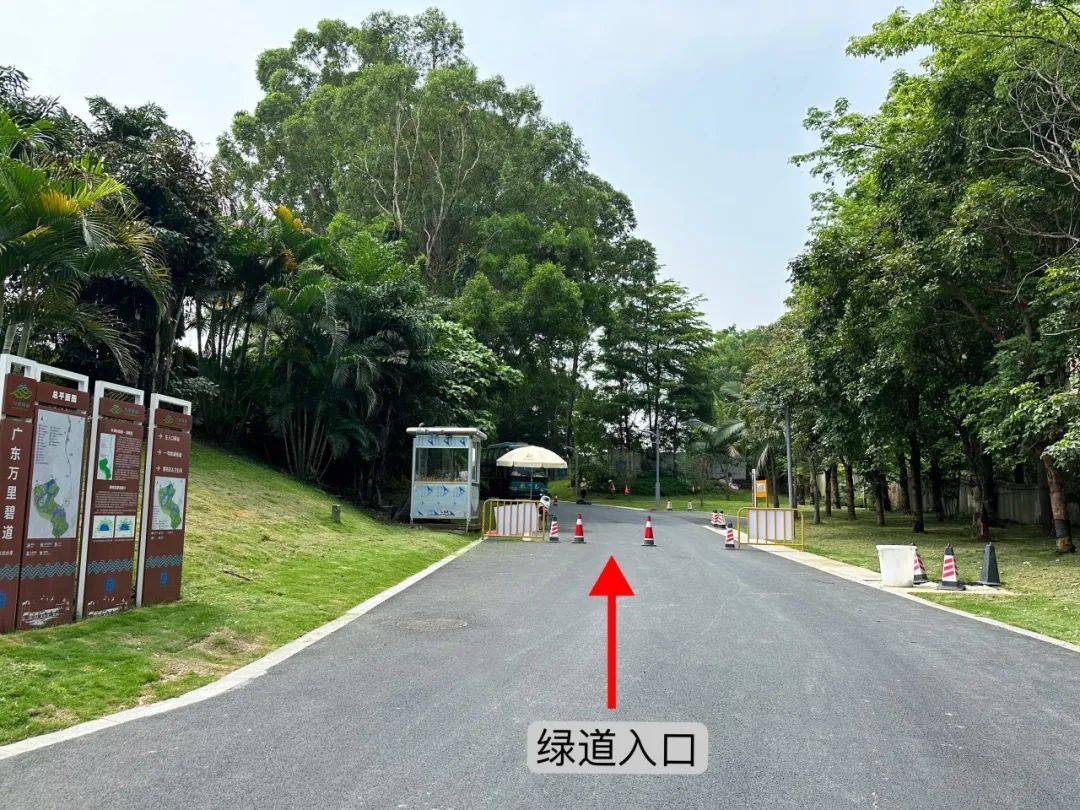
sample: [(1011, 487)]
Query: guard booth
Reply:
[(445, 474)]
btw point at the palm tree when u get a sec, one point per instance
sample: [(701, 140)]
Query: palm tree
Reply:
[(63, 224)]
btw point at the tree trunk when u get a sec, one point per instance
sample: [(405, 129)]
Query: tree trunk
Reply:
[(849, 479), (937, 487), (569, 438), (990, 494), (175, 323), (836, 484), (815, 493), (905, 493), (973, 455), (1062, 526), (828, 491), (774, 489), (917, 525), (198, 329), (886, 498), (881, 492), (1046, 508)]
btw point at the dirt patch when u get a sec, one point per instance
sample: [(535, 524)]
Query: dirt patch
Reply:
[(209, 658), (172, 669), (225, 643), (48, 714)]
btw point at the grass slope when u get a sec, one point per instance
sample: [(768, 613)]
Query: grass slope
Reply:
[(1047, 585), (263, 564)]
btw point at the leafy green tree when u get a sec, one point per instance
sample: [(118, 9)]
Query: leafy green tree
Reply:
[(65, 223)]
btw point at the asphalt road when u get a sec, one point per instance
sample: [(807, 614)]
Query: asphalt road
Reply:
[(817, 693)]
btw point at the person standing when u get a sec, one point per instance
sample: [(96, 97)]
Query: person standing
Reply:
[(610, 489)]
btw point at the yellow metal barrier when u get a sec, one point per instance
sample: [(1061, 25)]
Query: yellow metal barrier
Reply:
[(773, 527), (505, 517)]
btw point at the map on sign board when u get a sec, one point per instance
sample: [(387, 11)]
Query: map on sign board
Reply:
[(106, 456), (104, 527), (56, 475), (125, 526), (168, 512)]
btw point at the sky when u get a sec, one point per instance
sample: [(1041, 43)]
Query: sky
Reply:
[(691, 108)]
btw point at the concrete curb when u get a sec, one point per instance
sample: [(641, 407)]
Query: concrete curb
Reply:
[(872, 579), (237, 677)]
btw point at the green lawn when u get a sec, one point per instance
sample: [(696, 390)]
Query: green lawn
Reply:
[(263, 564), (1047, 585), (725, 500)]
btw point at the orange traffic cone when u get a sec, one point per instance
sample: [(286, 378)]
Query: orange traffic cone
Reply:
[(729, 539), (649, 542), (920, 569), (715, 520), (579, 531), (949, 579), (553, 535)]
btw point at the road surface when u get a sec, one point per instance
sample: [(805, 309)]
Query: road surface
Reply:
[(817, 693)]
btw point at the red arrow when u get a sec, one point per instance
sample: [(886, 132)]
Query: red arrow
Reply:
[(611, 583)]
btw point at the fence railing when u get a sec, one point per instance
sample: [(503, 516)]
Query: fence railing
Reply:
[(776, 527), (506, 517)]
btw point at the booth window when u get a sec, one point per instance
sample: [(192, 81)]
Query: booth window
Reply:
[(442, 464)]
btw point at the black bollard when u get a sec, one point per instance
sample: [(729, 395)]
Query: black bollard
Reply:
[(990, 574)]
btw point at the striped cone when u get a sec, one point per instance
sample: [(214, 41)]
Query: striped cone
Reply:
[(920, 569), (579, 531), (649, 542), (689, 506), (554, 500), (949, 579), (715, 520), (669, 506), (553, 535), (722, 521), (729, 538)]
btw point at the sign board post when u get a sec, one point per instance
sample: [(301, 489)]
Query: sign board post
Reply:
[(164, 501), (112, 498), (761, 490), (18, 393), (50, 548)]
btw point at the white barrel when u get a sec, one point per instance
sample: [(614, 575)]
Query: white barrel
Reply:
[(897, 565)]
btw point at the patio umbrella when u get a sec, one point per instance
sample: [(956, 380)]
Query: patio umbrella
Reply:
[(531, 457)]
